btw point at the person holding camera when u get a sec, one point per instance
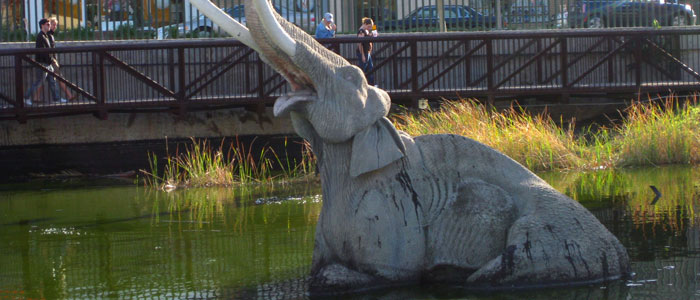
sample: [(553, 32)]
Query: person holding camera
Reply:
[(326, 28)]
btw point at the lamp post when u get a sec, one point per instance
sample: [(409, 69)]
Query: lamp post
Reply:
[(441, 15)]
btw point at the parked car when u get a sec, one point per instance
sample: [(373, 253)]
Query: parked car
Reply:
[(201, 26), (456, 16), (107, 24), (520, 14), (626, 13)]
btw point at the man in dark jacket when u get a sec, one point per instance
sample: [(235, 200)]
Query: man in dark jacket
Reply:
[(46, 59)]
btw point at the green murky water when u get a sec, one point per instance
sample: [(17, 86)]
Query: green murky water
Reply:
[(97, 239)]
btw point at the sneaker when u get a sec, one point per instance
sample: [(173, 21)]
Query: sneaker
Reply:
[(28, 102), (63, 100)]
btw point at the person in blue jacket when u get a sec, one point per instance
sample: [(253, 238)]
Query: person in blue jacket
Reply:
[(326, 28)]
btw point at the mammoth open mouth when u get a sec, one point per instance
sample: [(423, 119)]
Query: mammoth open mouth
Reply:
[(274, 36), (293, 101)]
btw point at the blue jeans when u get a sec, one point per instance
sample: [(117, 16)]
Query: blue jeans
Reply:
[(41, 76), (366, 67)]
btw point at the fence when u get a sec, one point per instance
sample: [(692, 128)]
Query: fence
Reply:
[(158, 19)]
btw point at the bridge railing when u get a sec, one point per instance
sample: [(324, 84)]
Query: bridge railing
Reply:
[(209, 74)]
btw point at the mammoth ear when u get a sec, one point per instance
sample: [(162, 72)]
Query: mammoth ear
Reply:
[(375, 147)]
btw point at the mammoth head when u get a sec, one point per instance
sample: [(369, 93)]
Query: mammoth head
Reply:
[(331, 99)]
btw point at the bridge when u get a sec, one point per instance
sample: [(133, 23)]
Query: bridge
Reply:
[(210, 74)]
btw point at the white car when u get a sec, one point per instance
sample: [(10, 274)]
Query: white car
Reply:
[(561, 20), (106, 24)]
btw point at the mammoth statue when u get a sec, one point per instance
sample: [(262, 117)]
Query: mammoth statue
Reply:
[(399, 209)]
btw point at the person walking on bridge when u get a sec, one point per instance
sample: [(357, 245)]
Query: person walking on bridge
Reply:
[(45, 59), (364, 49), (56, 66)]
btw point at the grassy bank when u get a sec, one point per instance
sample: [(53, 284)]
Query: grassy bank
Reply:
[(534, 141), (650, 133)]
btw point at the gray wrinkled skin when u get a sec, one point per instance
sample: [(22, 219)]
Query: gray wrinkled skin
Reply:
[(434, 208)]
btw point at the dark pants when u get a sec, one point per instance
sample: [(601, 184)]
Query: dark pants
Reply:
[(366, 66)]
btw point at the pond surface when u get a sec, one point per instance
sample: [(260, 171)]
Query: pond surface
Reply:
[(97, 239)]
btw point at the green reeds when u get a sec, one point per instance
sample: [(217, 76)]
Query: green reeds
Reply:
[(201, 165)]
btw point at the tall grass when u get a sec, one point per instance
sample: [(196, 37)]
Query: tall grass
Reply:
[(663, 133), (201, 165), (652, 133), (534, 141)]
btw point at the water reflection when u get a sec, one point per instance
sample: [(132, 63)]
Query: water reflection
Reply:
[(126, 242), (80, 241)]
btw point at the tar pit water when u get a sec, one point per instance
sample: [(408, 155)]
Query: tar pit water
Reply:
[(90, 239)]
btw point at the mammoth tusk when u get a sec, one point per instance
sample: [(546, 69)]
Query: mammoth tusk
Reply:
[(273, 28), (228, 24)]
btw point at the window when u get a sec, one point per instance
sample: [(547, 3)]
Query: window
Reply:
[(451, 13), (465, 12), (426, 13)]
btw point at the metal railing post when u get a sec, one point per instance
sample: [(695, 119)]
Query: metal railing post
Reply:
[(246, 74), (98, 84), (182, 105), (489, 72), (539, 61), (414, 66), (638, 61), (611, 74), (467, 64), (395, 67), (260, 107), (564, 62), (19, 81), (261, 79), (19, 90), (171, 69)]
